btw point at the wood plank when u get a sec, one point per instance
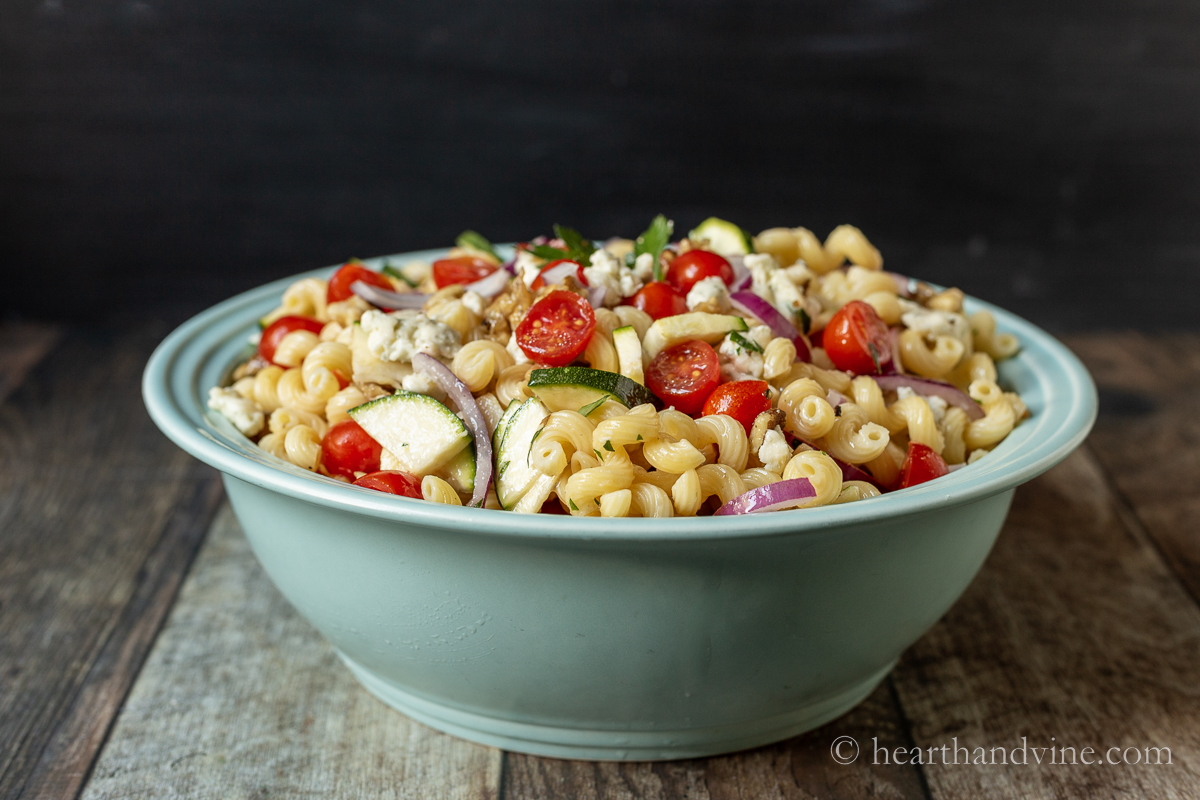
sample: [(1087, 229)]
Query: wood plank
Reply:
[(240, 697), (23, 345), (798, 768), (98, 513), (1074, 634), (1148, 435)]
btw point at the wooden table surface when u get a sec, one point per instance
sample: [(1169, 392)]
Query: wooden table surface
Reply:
[(143, 652)]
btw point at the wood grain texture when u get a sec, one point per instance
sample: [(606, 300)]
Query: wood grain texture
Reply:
[(241, 698), (100, 516), (797, 769), (22, 345), (1148, 436), (1076, 630)]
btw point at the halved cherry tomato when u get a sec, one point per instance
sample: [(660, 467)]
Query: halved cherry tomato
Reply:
[(339, 284), (659, 299), (696, 265), (921, 464), (684, 375), (393, 482), (857, 340), (461, 270), (539, 283), (742, 400), (273, 335), (348, 449), (557, 328)]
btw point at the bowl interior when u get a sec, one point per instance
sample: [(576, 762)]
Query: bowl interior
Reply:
[(1053, 383)]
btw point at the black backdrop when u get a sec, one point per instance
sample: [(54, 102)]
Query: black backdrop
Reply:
[(158, 156)]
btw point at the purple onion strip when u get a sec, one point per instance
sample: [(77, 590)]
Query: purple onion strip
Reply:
[(931, 388), (385, 299), (772, 497), (755, 306), (461, 396)]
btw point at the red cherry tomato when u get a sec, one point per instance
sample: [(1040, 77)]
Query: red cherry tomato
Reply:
[(920, 465), (696, 265), (659, 299), (742, 400), (684, 375), (539, 283), (392, 482), (348, 449), (557, 328), (461, 270), (339, 284), (857, 340), (274, 333)]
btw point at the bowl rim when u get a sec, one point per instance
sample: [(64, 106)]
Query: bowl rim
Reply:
[(173, 397)]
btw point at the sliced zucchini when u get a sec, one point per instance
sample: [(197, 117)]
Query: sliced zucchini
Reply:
[(502, 425), (460, 472), (710, 328), (629, 353), (420, 432), (575, 388), (723, 237), (514, 476)]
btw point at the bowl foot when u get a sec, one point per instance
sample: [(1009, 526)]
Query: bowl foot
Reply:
[(614, 745)]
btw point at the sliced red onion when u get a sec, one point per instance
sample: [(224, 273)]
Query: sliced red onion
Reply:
[(491, 285), (468, 409), (903, 284), (955, 467), (596, 296), (385, 299), (741, 275), (772, 497), (894, 365), (755, 306), (557, 273), (836, 398), (931, 388)]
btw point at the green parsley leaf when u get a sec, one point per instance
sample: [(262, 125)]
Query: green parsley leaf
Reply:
[(571, 503), (590, 407), (639, 437), (653, 240), (875, 357), (470, 240), (547, 252), (579, 248), (744, 343), (805, 320), (608, 446)]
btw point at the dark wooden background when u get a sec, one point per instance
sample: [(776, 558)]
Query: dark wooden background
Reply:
[(156, 157)]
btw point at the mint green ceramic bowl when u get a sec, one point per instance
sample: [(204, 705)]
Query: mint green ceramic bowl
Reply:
[(614, 639)]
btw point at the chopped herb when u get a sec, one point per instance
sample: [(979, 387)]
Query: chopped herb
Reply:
[(639, 437), (875, 357), (596, 500), (470, 240), (579, 248), (744, 343), (608, 446), (590, 407), (805, 320), (599, 455), (653, 240), (547, 252), (837, 410), (392, 272), (571, 503)]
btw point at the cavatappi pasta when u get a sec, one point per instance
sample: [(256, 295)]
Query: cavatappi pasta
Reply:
[(653, 378)]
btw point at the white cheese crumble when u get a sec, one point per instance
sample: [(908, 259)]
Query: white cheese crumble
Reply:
[(710, 292), (400, 335), (528, 267), (739, 363), (475, 302), (928, 322), (515, 351), (774, 284), (774, 452), (607, 271), (421, 383), (643, 267), (241, 412)]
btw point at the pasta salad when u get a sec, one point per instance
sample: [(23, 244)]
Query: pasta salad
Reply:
[(720, 373)]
